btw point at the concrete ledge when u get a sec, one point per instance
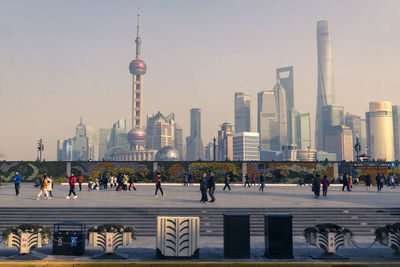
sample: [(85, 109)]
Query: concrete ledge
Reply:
[(195, 264)]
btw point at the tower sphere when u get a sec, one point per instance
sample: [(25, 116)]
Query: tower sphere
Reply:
[(137, 67), (137, 137)]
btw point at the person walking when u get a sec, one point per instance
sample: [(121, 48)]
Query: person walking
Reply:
[(71, 181), (203, 188), (346, 183), (227, 179), (262, 182), (368, 182), (158, 185), (351, 182), (325, 183), (253, 180), (316, 185), (247, 180), (43, 188), (50, 186), (17, 182), (81, 180), (380, 180), (211, 186), (185, 180), (132, 183)]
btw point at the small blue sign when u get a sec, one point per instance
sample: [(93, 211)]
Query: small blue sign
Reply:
[(74, 241), (392, 165)]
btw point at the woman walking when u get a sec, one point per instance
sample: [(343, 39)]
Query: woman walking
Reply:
[(43, 188), (316, 185), (158, 185)]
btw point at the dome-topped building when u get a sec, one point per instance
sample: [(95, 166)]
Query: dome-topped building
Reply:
[(167, 153)]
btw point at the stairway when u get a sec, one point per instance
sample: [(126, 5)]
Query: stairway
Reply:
[(362, 221)]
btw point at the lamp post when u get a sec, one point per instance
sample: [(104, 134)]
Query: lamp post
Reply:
[(357, 148), (40, 149), (83, 153)]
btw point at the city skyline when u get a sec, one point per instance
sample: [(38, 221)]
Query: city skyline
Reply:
[(53, 73)]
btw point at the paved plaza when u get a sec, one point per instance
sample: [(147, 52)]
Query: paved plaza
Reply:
[(177, 195)]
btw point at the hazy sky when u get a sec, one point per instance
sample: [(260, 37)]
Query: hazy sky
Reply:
[(63, 59)]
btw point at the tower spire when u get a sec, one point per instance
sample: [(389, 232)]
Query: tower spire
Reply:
[(138, 40)]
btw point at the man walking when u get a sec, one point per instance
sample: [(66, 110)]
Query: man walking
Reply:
[(81, 180), (346, 183), (17, 182), (203, 188), (211, 186), (262, 182), (71, 181), (227, 179), (247, 180), (316, 185)]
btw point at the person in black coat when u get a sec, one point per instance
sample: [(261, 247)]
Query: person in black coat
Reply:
[(211, 186), (227, 179), (203, 188), (346, 183), (247, 180), (262, 182)]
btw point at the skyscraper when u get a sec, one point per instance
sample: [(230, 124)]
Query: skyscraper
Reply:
[(285, 77), (300, 129), (137, 67), (396, 131), (93, 143), (245, 146), (104, 135), (280, 98), (267, 121), (179, 141), (339, 140), (354, 122), (331, 115), (379, 122), (242, 112), (80, 143), (326, 87), (225, 142), (160, 131), (118, 138), (194, 144)]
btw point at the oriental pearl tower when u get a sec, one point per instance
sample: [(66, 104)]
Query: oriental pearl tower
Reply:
[(137, 67)]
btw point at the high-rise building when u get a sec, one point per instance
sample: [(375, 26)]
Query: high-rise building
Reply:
[(280, 98), (379, 124), (363, 140), (194, 144), (60, 144), (93, 143), (331, 115), (179, 141), (104, 137), (285, 77), (300, 129), (326, 86), (67, 149), (137, 67), (118, 138), (210, 152), (267, 121), (80, 145), (160, 131), (339, 140), (246, 146), (242, 112), (354, 122), (225, 142), (396, 131)]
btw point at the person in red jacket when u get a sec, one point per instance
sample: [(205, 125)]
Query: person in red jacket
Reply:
[(71, 181), (158, 185), (325, 184)]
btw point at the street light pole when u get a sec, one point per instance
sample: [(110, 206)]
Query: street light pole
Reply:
[(215, 146), (40, 148)]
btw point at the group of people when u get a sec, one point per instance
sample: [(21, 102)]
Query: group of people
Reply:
[(316, 185), (207, 183)]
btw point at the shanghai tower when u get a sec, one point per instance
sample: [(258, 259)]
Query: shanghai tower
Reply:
[(326, 86)]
